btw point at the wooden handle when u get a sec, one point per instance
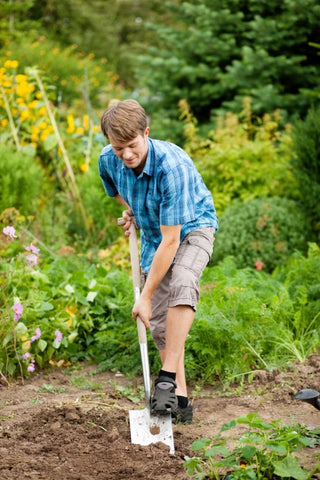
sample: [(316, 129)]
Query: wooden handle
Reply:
[(135, 269)]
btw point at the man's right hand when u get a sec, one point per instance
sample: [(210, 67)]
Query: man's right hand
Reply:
[(128, 217)]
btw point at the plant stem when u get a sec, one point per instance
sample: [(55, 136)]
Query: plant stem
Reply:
[(3, 378), (11, 122), (256, 353)]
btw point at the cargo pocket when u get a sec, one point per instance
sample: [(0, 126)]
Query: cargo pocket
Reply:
[(194, 253)]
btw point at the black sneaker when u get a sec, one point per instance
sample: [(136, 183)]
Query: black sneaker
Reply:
[(164, 399), (183, 415)]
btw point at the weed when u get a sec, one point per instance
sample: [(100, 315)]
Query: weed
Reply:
[(48, 388)]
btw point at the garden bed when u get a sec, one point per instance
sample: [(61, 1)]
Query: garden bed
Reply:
[(71, 424)]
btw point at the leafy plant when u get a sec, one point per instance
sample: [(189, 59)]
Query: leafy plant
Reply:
[(305, 161), (22, 179), (243, 157), (266, 230), (264, 451)]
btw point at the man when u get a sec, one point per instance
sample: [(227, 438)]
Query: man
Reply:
[(160, 187)]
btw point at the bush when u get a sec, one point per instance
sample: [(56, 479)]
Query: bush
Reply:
[(21, 179), (306, 135), (243, 157), (266, 230)]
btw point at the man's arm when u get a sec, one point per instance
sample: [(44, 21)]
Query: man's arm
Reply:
[(160, 265)]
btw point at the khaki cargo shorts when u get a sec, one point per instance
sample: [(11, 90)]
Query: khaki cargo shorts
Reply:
[(180, 286)]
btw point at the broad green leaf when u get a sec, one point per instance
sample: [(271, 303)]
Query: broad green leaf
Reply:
[(50, 142), (46, 307), (200, 444), (42, 344), (21, 329), (289, 467)]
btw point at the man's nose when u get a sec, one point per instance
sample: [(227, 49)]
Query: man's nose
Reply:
[(126, 153)]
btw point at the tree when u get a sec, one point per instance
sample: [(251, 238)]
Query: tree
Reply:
[(306, 165), (217, 52)]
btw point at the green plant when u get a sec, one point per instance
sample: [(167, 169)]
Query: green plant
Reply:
[(248, 319), (264, 451), (243, 157), (22, 179), (266, 230), (305, 161), (240, 53)]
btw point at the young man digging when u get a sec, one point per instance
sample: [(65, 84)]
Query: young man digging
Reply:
[(160, 187)]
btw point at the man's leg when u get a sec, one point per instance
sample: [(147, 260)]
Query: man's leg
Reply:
[(179, 321)]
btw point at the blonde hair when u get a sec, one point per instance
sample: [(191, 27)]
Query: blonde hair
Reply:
[(124, 120)]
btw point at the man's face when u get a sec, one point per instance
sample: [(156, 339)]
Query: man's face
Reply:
[(134, 152)]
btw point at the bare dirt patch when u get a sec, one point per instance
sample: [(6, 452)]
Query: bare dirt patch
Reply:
[(52, 429)]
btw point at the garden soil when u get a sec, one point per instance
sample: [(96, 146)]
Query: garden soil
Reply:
[(51, 429)]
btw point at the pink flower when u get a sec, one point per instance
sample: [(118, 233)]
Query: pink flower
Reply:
[(25, 356), (32, 260), (37, 335), (31, 367), (33, 249), (58, 335), (10, 232), (18, 309), (259, 265)]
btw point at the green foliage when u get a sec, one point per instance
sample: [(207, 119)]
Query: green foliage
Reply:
[(264, 230), (300, 277), (243, 49), (21, 179), (241, 313), (102, 210), (306, 161), (78, 22), (243, 157), (248, 320), (74, 74), (263, 451)]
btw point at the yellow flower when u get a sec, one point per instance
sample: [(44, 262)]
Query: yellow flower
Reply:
[(4, 122), (42, 112), (24, 114), (42, 125), (33, 104), (44, 134), (11, 64), (84, 167), (80, 130), (86, 122), (26, 346), (21, 78), (63, 82), (71, 127), (23, 89), (96, 128), (39, 95)]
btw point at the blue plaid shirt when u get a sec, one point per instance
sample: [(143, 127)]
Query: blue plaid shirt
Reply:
[(169, 191)]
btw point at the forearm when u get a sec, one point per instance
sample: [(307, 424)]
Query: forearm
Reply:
[(120, 200), (161, 263)]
